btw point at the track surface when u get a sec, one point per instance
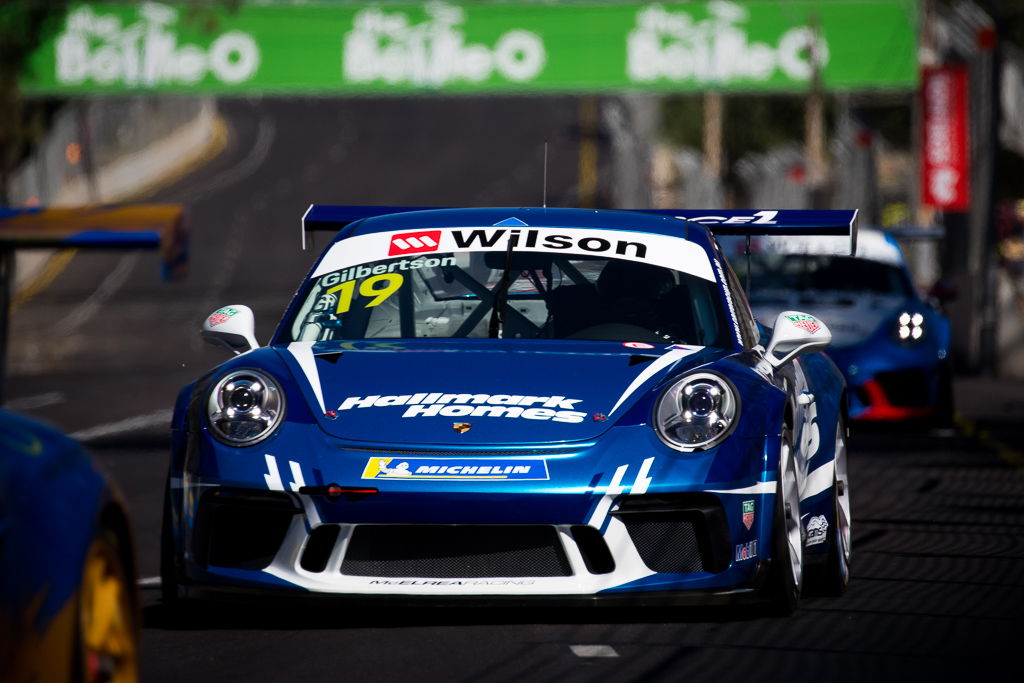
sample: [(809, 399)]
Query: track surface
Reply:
[(938, 574)]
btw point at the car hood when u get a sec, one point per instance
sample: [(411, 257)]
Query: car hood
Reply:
[(478, 392), (850, 318)]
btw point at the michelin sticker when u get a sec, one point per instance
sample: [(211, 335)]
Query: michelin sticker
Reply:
[(816, 530), (554, 408), (468, 469)]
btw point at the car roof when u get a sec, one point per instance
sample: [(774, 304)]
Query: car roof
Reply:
[(529, 217)]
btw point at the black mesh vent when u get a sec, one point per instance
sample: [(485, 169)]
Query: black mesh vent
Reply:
[(455, 551), (665, 544), (318, 547), (678, 532), (241, 529)]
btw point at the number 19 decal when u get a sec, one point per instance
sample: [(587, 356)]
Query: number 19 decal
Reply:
[(380, 287)]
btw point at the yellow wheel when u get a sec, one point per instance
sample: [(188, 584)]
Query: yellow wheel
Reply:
[(108, 630)]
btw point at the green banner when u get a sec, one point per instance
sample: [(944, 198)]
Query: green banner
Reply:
[(472, 48)]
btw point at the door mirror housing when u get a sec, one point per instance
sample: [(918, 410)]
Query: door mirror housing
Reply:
[(796, 333), (231, 326)]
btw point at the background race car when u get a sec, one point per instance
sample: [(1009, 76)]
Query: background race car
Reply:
[(892, 346), (509, 404), (68, 603)]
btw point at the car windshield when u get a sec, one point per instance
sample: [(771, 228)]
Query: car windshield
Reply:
[(821, 273), (542, 296)]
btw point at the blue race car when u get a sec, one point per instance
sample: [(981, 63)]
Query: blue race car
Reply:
[(515, 403), (69, 609), (892, 346)]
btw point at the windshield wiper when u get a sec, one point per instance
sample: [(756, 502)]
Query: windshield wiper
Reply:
[(497, 323)]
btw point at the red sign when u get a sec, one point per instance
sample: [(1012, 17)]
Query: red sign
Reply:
[(415, 242), (945, 163)]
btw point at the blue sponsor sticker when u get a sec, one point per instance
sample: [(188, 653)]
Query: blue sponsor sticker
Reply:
[(470, 469)]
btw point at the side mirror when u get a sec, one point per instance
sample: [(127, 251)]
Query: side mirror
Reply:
[(231, 326), (796, 333)]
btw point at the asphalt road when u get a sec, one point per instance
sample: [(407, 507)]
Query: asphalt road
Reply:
[(938, 572)]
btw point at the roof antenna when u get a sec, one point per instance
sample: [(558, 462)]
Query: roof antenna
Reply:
[(545, 195)]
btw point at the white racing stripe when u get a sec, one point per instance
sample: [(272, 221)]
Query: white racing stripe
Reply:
[(653, 368), (819, 480), (303, 354), (763, 487), (614, 489)]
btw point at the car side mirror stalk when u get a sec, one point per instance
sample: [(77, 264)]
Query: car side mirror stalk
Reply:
[(796, 333), (231, 326)]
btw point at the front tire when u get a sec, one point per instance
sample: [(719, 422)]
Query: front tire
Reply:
[(833, 577), (786, 574)]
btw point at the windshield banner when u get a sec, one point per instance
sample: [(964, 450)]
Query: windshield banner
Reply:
[(348, 256), (477, 47)]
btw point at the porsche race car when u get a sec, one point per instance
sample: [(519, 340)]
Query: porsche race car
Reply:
[(891, 345), (511, 404)]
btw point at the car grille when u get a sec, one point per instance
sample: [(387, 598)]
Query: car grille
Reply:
[(455, 551)]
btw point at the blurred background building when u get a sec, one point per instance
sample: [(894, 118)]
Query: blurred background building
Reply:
[(909, 110)]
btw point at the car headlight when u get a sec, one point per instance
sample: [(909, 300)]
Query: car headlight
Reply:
[(909, 326), (245, 407), (696, 412)]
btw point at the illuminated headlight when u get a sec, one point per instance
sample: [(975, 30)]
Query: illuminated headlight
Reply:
[(910, 326), (245, 407), (696, 412)]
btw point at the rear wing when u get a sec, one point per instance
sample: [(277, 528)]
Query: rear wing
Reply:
[(139, 226), (836, 222), (320, 217), (327, 218)]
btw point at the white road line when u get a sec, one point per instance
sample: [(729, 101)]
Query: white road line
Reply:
[(50, 398), (593, 651), (159, 417), (106, 290), (257, 155)]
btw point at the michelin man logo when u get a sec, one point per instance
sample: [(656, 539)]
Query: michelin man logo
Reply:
[(399, 470)]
